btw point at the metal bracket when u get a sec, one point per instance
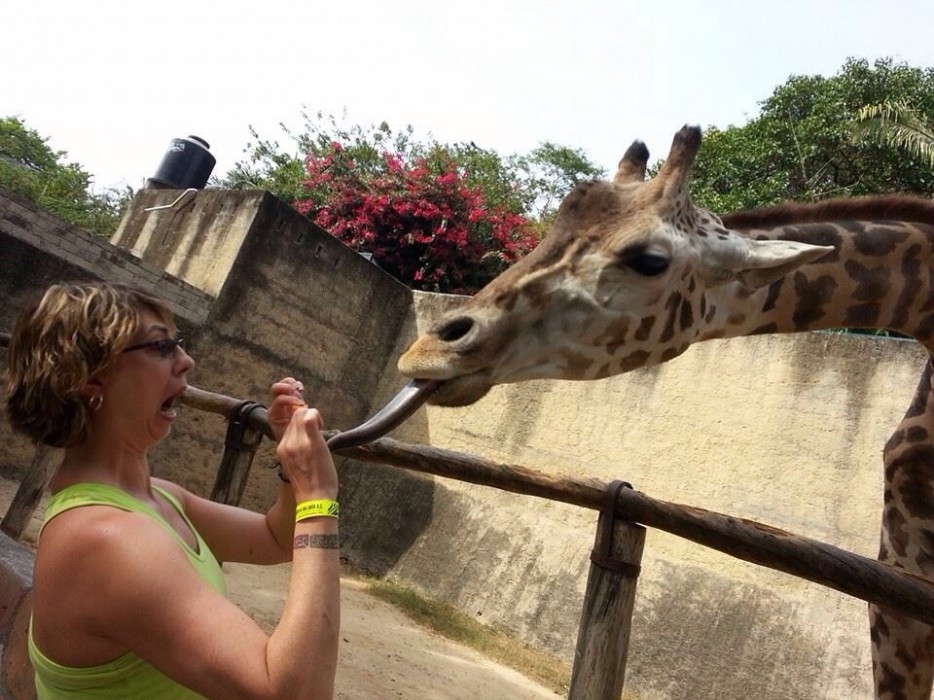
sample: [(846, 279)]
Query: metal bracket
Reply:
[(603, 547), (238, 422)]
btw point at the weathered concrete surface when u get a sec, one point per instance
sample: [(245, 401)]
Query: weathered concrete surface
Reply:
[(787, 430), (16, 678)]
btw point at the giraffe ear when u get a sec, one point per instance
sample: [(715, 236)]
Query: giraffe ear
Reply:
[(759, 263)]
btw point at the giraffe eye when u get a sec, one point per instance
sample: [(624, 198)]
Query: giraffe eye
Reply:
[(647, 264)]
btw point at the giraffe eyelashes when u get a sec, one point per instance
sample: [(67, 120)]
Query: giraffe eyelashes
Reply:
[(646, 264)]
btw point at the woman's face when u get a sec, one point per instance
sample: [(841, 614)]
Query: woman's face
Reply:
[(142, 386)]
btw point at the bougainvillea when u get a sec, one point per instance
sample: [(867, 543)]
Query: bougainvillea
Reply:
[(425, 225)]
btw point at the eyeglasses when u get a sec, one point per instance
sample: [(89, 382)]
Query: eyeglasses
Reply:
[(164, 346)]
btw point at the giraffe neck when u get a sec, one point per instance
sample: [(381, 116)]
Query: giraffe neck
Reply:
[(881, 275)]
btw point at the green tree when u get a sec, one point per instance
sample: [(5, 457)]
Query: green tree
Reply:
[(800, 146), (31, 169)]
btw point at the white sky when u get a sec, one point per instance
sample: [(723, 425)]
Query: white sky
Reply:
[(111, 82)]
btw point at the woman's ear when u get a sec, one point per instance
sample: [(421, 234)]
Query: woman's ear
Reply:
[(92, 387)]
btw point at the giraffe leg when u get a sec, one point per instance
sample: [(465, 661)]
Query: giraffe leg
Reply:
[(903, 649)]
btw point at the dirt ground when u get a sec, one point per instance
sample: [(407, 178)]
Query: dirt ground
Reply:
[(383, 654)]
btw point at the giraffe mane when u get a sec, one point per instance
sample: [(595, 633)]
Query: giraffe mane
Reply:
[(875, 208)]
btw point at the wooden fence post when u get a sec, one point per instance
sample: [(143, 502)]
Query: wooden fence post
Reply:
[(606, 619), (30, 490), (240, 445)]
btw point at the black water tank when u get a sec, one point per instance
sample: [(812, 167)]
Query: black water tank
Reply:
[(187, 163)]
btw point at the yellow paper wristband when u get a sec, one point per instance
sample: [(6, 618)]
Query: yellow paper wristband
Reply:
[(324, 507)]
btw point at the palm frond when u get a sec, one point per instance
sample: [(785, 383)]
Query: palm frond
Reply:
[(897, 125)]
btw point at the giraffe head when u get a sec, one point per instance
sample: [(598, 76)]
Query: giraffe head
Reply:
[(625, 278)]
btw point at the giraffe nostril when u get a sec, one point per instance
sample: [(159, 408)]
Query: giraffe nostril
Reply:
[(455, 329)]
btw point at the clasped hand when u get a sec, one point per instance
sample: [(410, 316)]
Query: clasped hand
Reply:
[(301, 449)]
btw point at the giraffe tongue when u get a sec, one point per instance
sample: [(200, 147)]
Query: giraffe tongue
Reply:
[(393, 414)]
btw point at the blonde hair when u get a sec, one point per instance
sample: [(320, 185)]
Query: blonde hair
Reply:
[(59, 342)]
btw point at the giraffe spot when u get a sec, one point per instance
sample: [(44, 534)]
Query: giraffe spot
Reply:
[(645, 327), (875, 241), (894, 523), (711, 312), (576, 364), (634, 360), (883, 555), (767, 328), (506, 299), (897, 438), (919, 401), (862, 316), (771, 298), (911, 474), (918, 405), (873, 632), (903, 655), (673, 305), (817, 234), (871, 283), (736, 319), (672, 353), (925, 559), (925, 328), (916, 433), (813, 295), (911, 273), (881, 625), (687, 315), (889, 681)]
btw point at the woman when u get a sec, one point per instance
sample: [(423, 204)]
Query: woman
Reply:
[(128, 592)]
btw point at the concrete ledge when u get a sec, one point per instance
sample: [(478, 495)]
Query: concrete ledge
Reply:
[(16, 564)]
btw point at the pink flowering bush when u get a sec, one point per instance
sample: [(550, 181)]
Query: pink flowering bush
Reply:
[(424, 224)]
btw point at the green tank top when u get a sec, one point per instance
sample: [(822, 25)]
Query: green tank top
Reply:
[(127, 676)]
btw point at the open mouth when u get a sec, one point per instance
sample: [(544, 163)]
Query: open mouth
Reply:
[(462, 391), (167, 408)]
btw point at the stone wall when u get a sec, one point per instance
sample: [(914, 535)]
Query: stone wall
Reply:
[(787, 430)]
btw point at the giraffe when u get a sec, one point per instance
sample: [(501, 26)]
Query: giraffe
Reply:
[(632, 273)]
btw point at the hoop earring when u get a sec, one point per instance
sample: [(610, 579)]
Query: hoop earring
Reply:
[(95, 402)]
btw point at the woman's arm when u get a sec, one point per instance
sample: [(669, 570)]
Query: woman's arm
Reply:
[(135, 587), (239, 535)]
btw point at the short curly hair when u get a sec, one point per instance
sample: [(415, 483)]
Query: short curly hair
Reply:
[(60, 341)]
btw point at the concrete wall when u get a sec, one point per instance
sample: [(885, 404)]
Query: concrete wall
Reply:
[(786, 430)]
